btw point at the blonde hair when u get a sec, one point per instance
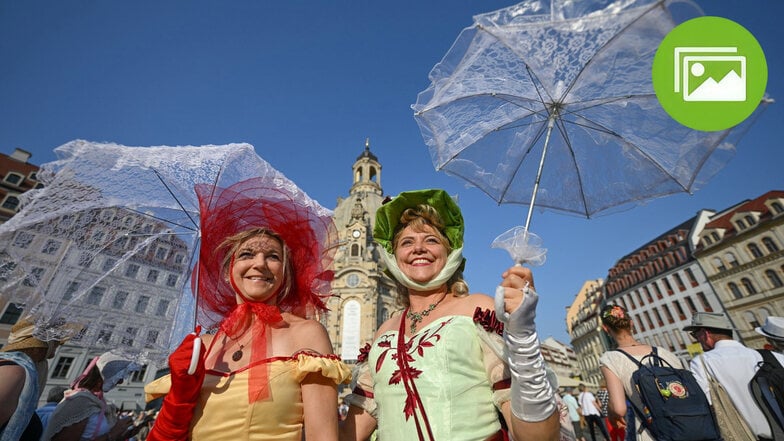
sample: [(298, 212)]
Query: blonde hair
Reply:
[(233, 243), (419, 218)]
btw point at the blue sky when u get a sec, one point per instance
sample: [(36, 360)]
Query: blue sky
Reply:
[(306, 82)]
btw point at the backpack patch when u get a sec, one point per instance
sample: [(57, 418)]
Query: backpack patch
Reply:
[(675, 407), (767, 388)]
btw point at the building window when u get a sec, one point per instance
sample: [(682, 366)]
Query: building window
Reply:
[(171, 280), (773, 278), (161, 253), (354, 250), (7, 266), (690, 276), (715, 236), (741, 224), (731, 260), (735, 290), (70, 290), (11, 314), (96, 295), (141, 304), (138, 376), (704, 301), (23, 239), (105, 334), (639, 298), (129, 336), (11, 203), (657, 289), (658, 317), (152, 276), (152, 338), (51, 246), (178, 258), (62, 367), (648, 294), (770, 244), (690, 305), (34, 278), (648, 319), (163, 306), (640, 324), (750, 289), (667, 285), (751, 319), (131, 270), (679, 282), (718, 264), (750, 220), (679, 310), (85, 259), (108, 264), (668, 314), (119, 299), (777, 207), (754, 250), (13, 178)]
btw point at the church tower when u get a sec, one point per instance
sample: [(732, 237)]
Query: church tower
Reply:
[(363, 297)]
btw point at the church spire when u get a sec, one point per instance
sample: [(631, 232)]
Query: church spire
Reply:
[(367, 172)]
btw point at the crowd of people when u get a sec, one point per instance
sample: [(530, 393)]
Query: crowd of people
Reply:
[(454, 365)]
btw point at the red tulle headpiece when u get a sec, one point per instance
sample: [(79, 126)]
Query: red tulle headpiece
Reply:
[(305, 226)]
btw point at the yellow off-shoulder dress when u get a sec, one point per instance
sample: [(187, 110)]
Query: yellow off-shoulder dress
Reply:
[(223, 412)]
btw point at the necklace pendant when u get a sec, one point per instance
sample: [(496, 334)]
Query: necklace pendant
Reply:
[(237, 355)]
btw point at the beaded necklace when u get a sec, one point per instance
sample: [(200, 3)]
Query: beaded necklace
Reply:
[(417, 317)]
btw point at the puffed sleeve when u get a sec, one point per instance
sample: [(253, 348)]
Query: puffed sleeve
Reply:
[(157, 388), (361, 394), (329, 366), (490, 331)]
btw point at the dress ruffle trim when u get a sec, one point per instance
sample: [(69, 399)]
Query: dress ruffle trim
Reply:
[(488, 320), (329, 366)]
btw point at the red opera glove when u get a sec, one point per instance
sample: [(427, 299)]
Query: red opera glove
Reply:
[(174, 419)]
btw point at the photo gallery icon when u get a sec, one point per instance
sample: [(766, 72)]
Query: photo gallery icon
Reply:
[(710, 74)]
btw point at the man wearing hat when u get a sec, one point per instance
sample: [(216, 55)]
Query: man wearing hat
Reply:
[(730, 363), (773, 330), (23, 369)]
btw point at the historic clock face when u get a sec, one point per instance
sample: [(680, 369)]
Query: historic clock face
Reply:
[(352, 280), (355, 234)]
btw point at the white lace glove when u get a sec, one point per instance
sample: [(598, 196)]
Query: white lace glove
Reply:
[(532, 396)]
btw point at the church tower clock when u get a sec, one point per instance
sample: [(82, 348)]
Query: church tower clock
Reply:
[(363, 297)]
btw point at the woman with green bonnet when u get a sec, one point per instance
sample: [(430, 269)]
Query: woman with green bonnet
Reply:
[(453, 366)]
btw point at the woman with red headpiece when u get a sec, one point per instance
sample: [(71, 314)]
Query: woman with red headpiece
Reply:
[(267, 371)]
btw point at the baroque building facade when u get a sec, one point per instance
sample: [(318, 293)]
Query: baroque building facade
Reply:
[(17, 176), (588, 340), (363, 296), (742, 252), (662, 285)]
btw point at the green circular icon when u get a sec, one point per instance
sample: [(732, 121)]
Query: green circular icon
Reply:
[(709, 73)]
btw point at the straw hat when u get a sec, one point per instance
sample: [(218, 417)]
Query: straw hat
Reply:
[(773, 328), (22, 337)]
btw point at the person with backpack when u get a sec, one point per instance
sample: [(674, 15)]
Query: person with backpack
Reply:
[(619, 368), (732, 365)]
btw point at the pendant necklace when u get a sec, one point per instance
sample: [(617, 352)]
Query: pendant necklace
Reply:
[(417, 317), (237, 355)]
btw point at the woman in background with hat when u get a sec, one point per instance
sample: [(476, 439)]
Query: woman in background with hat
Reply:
[(441, 370), (84, 413), (23, 369), (267, 371)]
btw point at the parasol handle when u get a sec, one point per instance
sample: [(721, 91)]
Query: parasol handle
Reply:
[(195, 355), (550, 125)]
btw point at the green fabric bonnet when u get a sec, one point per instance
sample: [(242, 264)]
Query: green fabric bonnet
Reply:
[(388, 216)]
